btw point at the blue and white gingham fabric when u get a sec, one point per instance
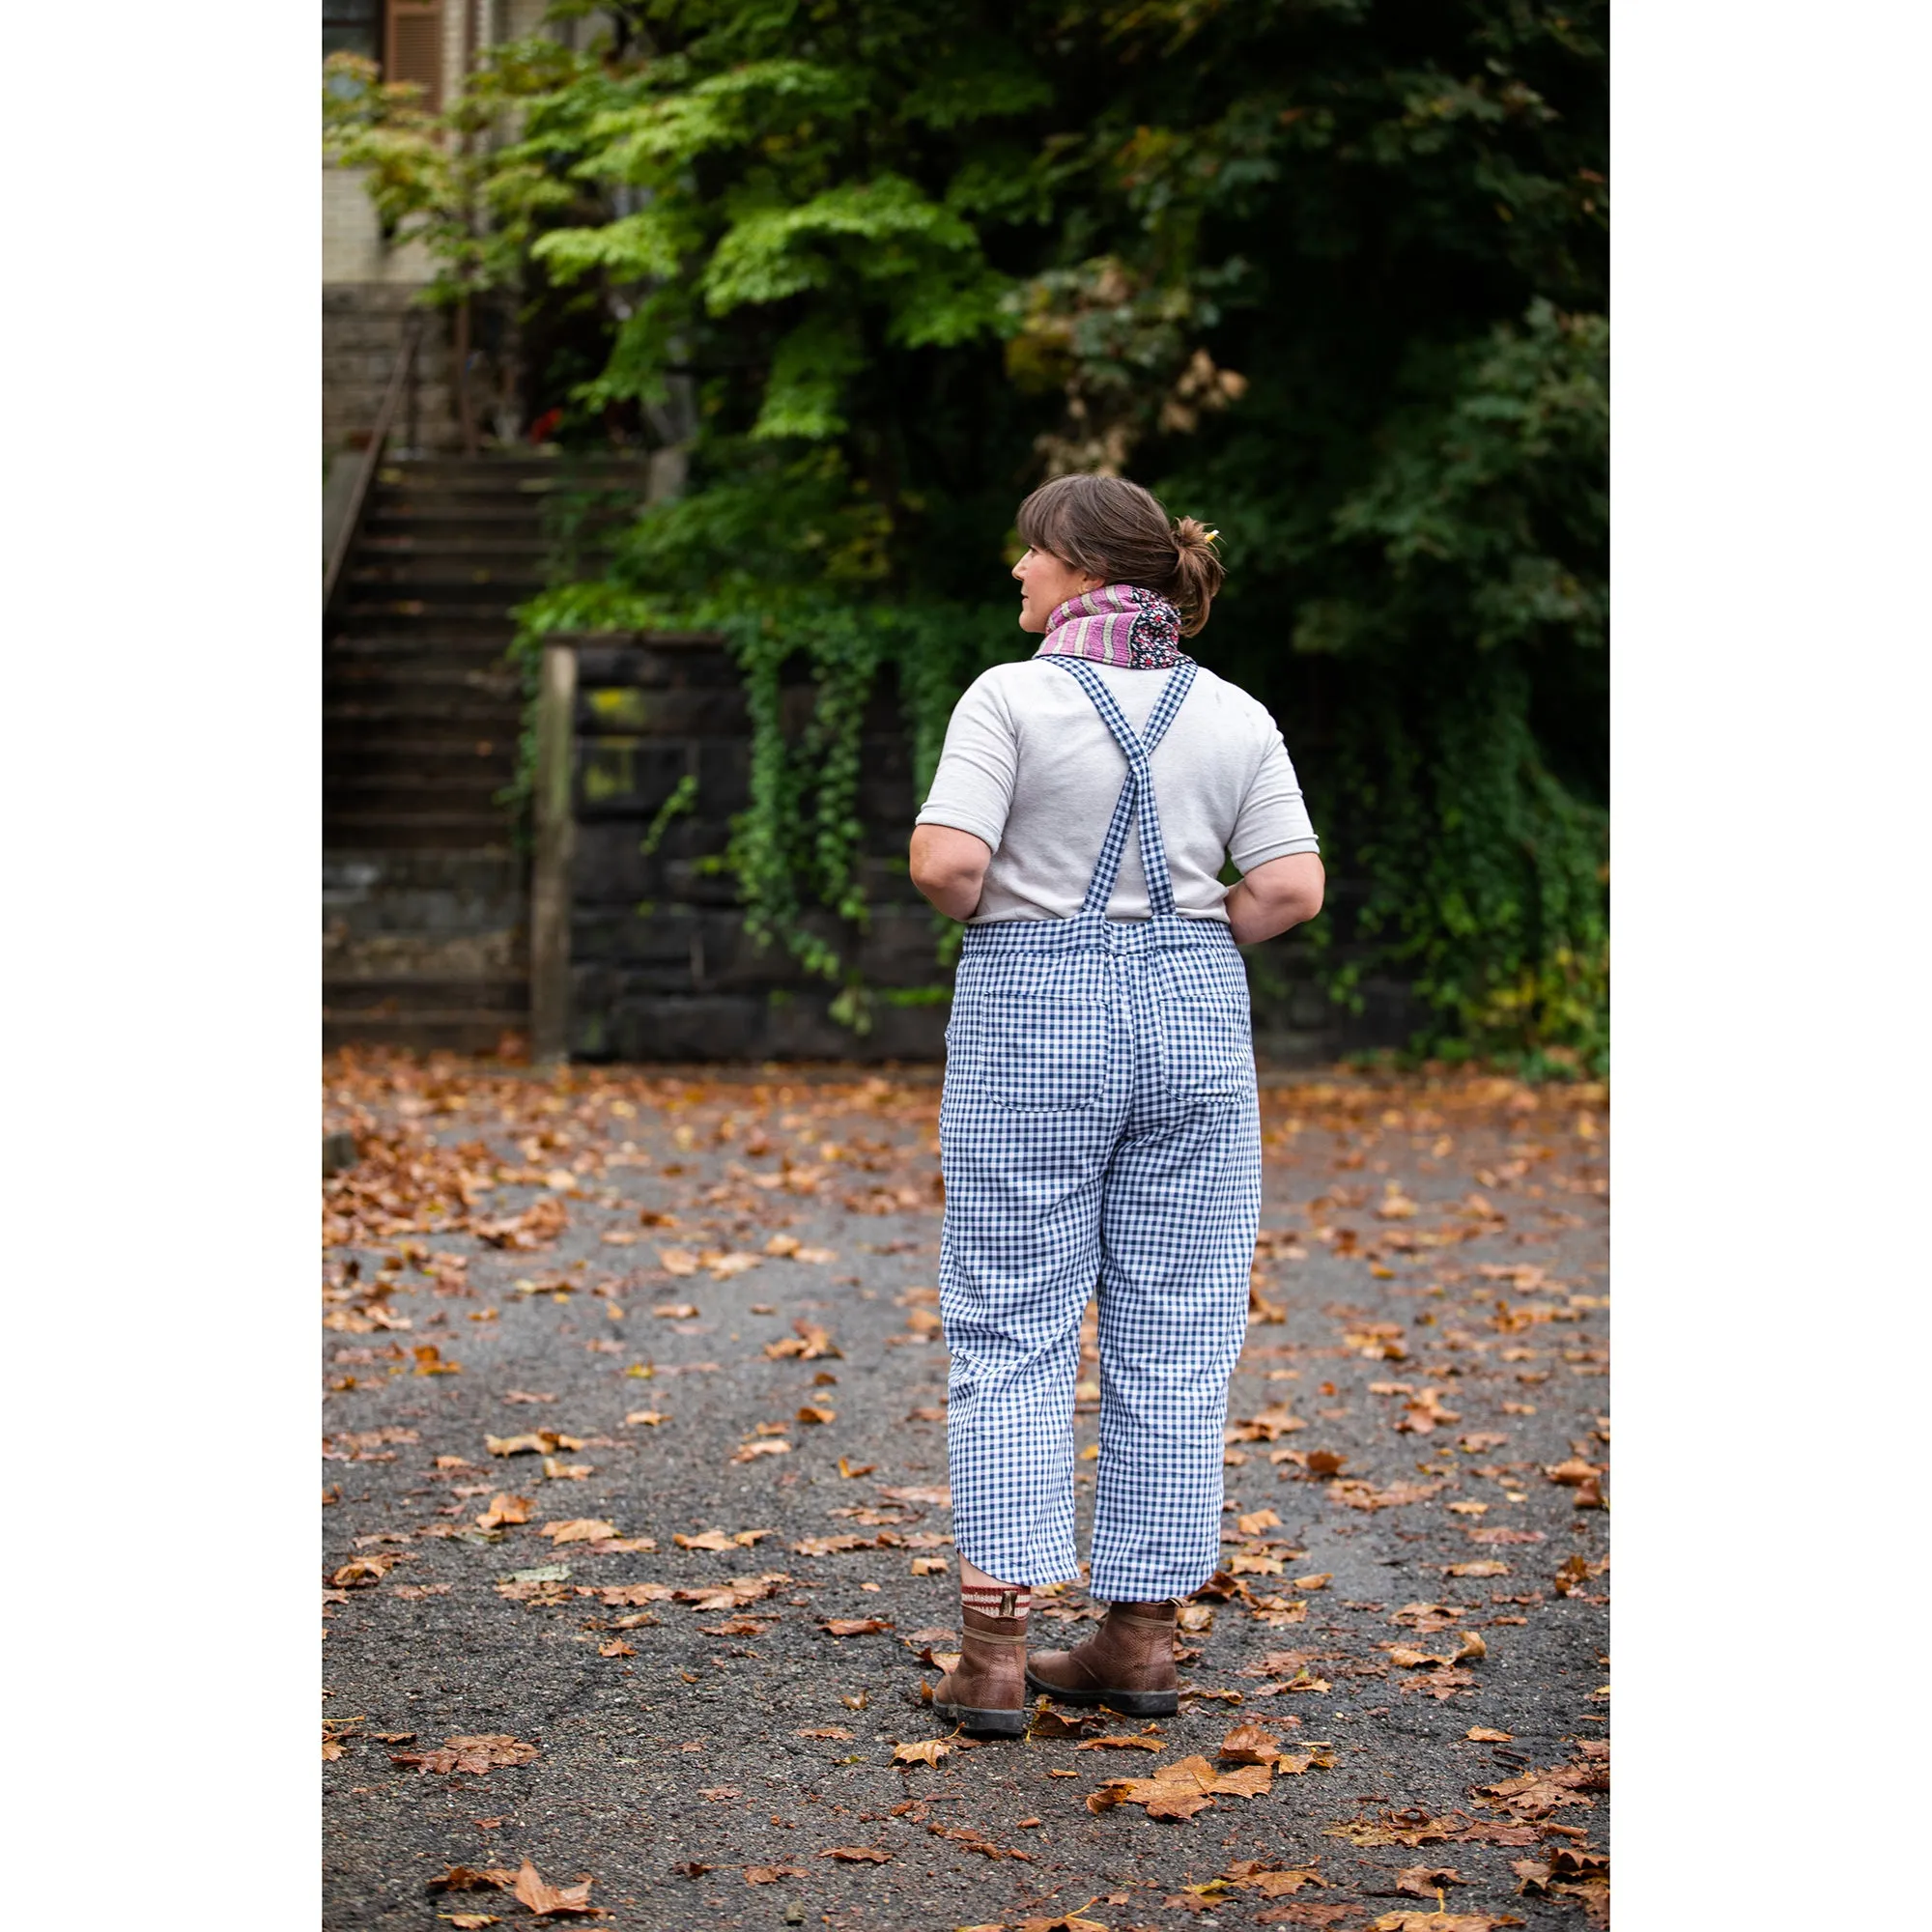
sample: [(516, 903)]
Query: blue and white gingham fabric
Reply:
[(1099, 1128)]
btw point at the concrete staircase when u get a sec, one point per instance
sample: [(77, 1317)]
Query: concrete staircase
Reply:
[(425, 892)]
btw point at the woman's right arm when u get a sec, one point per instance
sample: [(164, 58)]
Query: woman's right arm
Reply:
[(1278, 894)]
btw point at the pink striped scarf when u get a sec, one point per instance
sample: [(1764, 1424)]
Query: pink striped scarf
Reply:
[(1117, 624)]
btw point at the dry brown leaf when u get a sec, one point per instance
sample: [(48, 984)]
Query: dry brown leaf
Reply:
[(579, 1529), (929, 1752), (1437, 1922), (770, 1874), (505, 1508), (857, 1855), (1482, 1734), (475, 1755), (533, 1891), (836, 1732), (1426, 1881), (1150, 1743), (854, 1626)]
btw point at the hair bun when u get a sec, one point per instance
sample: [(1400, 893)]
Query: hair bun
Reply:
[(1192, 535)]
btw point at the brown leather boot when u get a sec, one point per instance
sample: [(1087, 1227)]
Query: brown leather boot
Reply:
[(985, 1694), (1127, 1665)]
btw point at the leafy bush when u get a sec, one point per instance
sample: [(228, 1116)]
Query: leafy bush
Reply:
[(1328, 274)]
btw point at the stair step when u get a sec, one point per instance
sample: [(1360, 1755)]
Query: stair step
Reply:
[(409, 545), (362, 610)]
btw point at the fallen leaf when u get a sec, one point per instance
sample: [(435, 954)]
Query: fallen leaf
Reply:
[(836, 1732), (469, 1878), (579, 1529), (1150, 1743), (532, 1891), (1481, 1734), (929, 1752), (846, 1469), (505, 1508), (677, 1260), (854, 1626), (857, 1855), (541, 1442), (1426, 1881), (770, 1874), (475, 1755), (814, 1412), (1438, 1921), (1319, 1583), (1249, 1744)]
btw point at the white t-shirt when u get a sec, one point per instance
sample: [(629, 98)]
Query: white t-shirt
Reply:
[(1030, 767)]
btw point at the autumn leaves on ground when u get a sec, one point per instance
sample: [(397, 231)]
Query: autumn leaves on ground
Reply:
[(637, 1564)]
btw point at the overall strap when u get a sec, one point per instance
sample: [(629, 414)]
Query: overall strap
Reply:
[(1136, 803)]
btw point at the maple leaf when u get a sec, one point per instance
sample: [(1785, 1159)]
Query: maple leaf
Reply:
[(469, 1878), (475, 1755), (505, 1508), (927, 1751), (1436, 1921), (579, 1529), (1249, 1744), (1148, 1743), (532, 1891)]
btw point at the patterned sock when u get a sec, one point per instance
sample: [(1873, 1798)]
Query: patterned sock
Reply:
[(996, 1599)]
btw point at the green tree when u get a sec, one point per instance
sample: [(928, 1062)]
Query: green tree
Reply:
[(1330, 274)]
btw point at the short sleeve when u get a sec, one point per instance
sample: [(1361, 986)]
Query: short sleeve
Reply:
[(1273, 820), (973, 788)]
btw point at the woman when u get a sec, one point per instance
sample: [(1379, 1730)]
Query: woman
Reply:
[(1099, 1123)]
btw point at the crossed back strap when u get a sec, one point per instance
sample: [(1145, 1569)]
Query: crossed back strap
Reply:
[(1136, 803)]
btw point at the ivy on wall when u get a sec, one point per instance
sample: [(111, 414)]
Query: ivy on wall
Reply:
[(1332, 276)]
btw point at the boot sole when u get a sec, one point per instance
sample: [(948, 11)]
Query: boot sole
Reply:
[(984, 1723), (1127, 1703)]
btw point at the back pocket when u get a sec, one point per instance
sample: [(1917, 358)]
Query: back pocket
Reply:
[(1036, 1056)]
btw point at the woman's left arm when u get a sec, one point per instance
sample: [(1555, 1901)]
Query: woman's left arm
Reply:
[(1278, 894)]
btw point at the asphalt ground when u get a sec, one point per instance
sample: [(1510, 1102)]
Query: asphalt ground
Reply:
[(1421, 1406)]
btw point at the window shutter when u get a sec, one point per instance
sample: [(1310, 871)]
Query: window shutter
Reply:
[(413, 48)]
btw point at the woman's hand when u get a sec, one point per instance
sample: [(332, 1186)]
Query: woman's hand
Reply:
[(949, 867), (1275, 895)]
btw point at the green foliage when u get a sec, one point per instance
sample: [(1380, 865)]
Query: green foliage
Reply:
[(1328, 274)]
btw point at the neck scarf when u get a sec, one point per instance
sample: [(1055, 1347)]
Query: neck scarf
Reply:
[(1119, 624)]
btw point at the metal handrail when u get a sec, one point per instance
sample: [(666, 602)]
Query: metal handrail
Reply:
[(401, 379)]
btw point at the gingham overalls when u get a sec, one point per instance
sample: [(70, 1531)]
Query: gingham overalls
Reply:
[(1099, 1126)]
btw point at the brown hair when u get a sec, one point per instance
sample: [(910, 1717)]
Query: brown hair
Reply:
[(1116, 530)]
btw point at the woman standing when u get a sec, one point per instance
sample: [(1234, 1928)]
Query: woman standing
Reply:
[(1099, 1126)]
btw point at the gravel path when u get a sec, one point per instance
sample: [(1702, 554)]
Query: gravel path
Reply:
[(660, 1281)]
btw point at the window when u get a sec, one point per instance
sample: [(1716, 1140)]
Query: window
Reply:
[(404, 37), (412, 46), (351, 27)]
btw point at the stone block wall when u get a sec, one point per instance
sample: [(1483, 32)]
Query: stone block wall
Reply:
[(661, 966)]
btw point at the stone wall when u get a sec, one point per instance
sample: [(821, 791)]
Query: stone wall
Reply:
[(661, 966)]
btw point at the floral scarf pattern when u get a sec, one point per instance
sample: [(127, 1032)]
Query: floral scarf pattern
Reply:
[(1117, 624)]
